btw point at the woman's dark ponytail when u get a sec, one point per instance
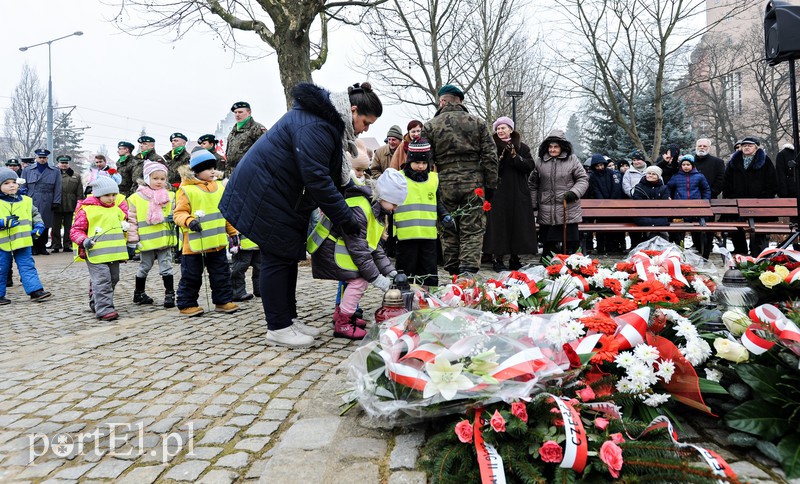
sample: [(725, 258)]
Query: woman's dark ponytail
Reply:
[(364, 99)]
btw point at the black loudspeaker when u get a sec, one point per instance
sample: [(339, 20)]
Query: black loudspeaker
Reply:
[(781, 27)]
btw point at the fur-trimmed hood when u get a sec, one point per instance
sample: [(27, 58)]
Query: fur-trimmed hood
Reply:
[(316, 100), (737, 160), (559, 137)]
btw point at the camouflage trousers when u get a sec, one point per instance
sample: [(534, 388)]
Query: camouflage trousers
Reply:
[(462, 247)]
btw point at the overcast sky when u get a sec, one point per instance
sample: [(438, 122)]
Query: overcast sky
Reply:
[(121, 83)]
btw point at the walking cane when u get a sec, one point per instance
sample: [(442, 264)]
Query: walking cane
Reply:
[(564, 247)]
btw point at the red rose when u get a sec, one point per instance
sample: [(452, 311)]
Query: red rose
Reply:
[(487, 206), (601, 423), (617, 438), (587, 394), (611, 454), (519, 410), (572, 356), (464, 431), (550, 451), (497, 422), (479, 192)]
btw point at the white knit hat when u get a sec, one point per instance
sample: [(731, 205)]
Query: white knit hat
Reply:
[(103, 185), (392, 187)]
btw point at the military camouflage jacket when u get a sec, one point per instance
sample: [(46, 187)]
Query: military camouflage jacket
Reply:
[(132, 169), (175, 162), (462, 147), (239, 141)]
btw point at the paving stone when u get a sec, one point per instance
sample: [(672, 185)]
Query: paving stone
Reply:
[(408, 477), (356, 472), (275, 414), (203, 453), (247, 409), (164, 425), (109, 469), (219, 476), (280, 404), (219, 435), (183, 411), (142, 475), (235, 461), (241, 420), (310, 433), (257, 469), (131, 408), (257, 397), (747, 470), (187, 471), (406, 451), (283, 467), (93, 416), (263, 428), (253, 444), (74, 472), (215, 410), (361, 448), (66, 416), (224, 399), (40, 470)]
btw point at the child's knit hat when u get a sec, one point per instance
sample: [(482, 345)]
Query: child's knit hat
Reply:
[(419, 150), (362, 160), (103, 185), (391, 187), (201, 160), (151, 167), (688, 158), (7, 174), (653, 169)]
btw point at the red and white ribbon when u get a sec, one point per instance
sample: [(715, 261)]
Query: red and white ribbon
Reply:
[(793, 276), (489, 461), (670, 263), (576, 447), (632, 327), (769, 318), (767, 253)]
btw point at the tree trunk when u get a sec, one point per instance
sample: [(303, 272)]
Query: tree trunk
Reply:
[(294, 62)]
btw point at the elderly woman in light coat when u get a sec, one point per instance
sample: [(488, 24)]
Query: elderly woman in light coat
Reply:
[(557, 177)]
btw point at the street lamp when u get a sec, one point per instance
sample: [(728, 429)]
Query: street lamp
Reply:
[(50, 85), (514, 95)]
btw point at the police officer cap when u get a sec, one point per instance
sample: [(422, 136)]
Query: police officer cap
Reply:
[(240, 104), (64, 158), (452, 90), (42, 152), (178, 135), (27, 160), (13, 162), (125, 144), (207, 137), (146, 139)]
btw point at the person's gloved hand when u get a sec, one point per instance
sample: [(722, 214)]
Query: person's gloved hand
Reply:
[(448, 222), (131, 251), (88, 243), (38, 230), (169, 219), (10, 221), (488, 194), (125, 225), (570, 197), (351, 227), (194, 226), (234, 244), (392, 274), (382, 282)]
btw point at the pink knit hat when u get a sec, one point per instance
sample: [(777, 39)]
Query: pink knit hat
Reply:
[(503, 120), (151, 166)]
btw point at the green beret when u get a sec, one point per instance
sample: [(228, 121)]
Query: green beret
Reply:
[(240, 104), (178, 135), (64, 158), (452, 90), (146, 139), (125, 144), (207, 137)]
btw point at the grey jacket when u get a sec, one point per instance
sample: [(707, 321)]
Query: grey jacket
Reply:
[(552, 178), (370, 263)]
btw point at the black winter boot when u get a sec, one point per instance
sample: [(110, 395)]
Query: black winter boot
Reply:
[(139, 296), (169, 291)]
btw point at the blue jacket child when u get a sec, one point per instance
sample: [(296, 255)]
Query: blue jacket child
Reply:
[(688, 183), (19, 221)]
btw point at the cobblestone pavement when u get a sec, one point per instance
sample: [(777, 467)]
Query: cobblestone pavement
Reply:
[(158, 397)]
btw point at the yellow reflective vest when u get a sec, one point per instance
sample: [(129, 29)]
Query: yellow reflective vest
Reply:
[(19, 237), (247, 244), (155, 236), (213, 235), (416, 217), (341, 255), (105, 228)]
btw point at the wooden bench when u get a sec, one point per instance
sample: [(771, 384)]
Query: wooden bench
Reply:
[(606, 216), (753, 209)]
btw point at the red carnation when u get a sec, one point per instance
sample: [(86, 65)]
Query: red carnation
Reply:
[(487, 206), (519, 410), (479, 192)]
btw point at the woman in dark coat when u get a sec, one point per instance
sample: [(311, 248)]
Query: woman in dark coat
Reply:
[(511, 226), (296, 166)]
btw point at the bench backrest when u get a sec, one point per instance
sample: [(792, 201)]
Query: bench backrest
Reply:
[(724, 206), (599, 209), (767, 207)]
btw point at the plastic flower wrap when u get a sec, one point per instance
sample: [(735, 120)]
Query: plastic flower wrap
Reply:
[(436, 362)]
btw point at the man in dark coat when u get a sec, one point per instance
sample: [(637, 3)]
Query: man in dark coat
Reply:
[(71, 192), (785, 167), (291, 169), (605, 184), (749, 174), (710, 166), (668, 162), (43, 183)]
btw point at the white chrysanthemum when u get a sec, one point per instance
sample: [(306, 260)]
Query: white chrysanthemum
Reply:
[(625, 359), (656, 399), (654, 269), (199, 213), (563, 329), (641, 376), (646, 353), (625, 386), (665, 279), (621, 276), (713, 375), (666, 368), (575, 261), (700, 288), (686, 329), (696, 351)]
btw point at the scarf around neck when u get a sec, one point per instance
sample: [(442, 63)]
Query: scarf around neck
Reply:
[(341, 101), (158, 199), (241, 123), (177, 151)]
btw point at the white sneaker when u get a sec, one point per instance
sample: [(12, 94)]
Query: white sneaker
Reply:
[(302, 327), (289, 337)]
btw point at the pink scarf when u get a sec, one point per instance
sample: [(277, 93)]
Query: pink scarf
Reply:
[(506, 139), (158, 199)]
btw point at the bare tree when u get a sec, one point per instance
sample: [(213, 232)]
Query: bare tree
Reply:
[(25, 120), (620, 45), (284, 25)]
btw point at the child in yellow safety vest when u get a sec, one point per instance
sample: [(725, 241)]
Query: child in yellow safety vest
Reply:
[(152, 231), (19, 221), (358, 260), (415, 221), (99, 233), (206, 234)]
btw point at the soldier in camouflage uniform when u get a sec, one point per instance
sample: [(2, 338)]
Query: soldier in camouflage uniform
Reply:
[(209, 142), (132, 169), (243, 135), (176, 157), (124, 164), (466, 158)]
